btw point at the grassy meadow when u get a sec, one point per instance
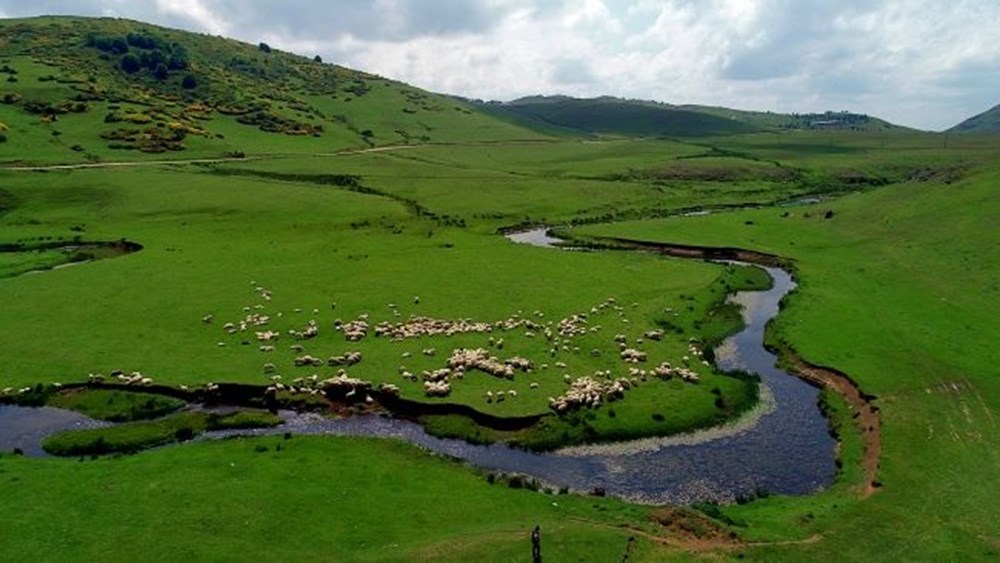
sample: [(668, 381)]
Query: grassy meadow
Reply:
[(898, 289), (330, 253), (348, 196)]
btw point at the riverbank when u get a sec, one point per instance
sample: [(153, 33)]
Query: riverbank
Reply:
[(866, 419)]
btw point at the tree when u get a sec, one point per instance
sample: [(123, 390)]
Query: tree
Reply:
[(317, 59), (161, 72), (264, 47), (189, 82), (178, 57), (130, 64)]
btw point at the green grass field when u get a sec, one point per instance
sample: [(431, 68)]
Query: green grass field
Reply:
[(897, 265), (898, 289)]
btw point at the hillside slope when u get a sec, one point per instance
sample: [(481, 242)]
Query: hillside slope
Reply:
[(607, 115), (86, 89), (825, 121), (986, 122), (616, 116)]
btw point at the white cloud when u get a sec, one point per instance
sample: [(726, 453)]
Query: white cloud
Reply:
[(197, 12), (922, 63)]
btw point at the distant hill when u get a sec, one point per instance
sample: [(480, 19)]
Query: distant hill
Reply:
[(986, 122), (608, 115), (97, 88), (825, 121)]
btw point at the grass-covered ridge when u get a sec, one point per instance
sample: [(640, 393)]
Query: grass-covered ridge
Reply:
[(614, 116), (100, 89), (987, 122)]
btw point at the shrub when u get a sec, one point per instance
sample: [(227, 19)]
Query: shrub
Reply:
[(130, 64)]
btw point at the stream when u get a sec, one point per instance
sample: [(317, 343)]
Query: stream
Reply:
[(782, 446)]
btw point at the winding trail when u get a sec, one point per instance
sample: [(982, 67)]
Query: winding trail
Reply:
[(131, 163), (264, 156)]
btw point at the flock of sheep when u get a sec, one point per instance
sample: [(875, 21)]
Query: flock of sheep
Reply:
[(582, 392)]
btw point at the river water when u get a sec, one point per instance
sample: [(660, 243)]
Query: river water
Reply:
[(781, 447)]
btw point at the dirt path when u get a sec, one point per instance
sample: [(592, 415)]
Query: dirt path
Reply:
[(686, 529), (867, 417), (343, 152), (130, 163)]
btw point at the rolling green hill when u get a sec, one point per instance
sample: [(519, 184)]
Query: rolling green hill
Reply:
[(613, 116), (825, 121), (85, 89), (616, 116), (986, 122)]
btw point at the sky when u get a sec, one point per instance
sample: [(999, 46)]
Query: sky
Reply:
[(927, 64)]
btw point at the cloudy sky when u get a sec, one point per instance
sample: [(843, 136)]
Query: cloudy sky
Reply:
[(923, 63)]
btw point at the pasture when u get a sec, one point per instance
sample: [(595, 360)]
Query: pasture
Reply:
[(897, 270)]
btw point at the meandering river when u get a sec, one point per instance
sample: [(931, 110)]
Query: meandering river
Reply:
[(783, 446)]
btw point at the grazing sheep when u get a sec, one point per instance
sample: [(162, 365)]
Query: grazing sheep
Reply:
[(533, 385), (348, 359), (465, 359), (587, 392), (308, 360), (654, 335), (437, 375), (437, 388), (207, 318), (631, 355), (389, 389)]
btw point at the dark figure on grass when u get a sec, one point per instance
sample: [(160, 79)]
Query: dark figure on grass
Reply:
[(536, 545)]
